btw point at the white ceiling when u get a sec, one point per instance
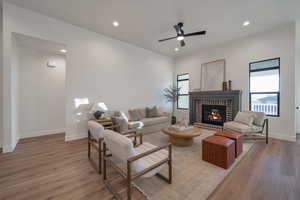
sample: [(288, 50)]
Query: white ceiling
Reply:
[(39, 44), (143, 22)]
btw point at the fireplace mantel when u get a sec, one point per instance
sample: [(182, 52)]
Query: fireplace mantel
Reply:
[(233, 96)]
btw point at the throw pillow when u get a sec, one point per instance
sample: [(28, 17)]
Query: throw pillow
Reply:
[(244, 118), (134, 115), (152, 112)]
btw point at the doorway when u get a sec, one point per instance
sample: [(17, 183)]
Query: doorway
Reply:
[(38, 86)]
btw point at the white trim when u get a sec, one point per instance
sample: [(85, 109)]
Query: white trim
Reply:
[(76, 136), (291, 138), (41, 133), (11, 147)]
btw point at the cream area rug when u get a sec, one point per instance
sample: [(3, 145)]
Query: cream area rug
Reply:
[(193, 178)]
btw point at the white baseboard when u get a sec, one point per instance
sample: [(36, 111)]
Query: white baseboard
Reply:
[(291, 138), (41, 133), (76, 136)]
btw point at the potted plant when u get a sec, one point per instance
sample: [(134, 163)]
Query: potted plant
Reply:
[(171, 94)]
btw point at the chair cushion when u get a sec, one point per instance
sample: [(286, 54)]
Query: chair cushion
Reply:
[(120, 146), (245, 118), (240, 127), (96, 129), (259, 117), (154, 120), (150, 159)]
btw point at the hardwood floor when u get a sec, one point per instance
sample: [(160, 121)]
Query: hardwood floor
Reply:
[(268, 172), (48, 168)]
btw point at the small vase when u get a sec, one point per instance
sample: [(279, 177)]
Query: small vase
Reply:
[(173, 121)]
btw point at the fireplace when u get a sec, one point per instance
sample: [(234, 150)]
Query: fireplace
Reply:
[(213, 114), (210, 109)]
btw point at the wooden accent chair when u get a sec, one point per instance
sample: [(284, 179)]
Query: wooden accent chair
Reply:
[(131, 162), (96, 136), (252, 125)]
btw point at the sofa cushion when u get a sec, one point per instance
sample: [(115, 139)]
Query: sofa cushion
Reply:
[(152, 112), (142, 112), (134, 115), (154, 120), (245, 118), (240, 127)]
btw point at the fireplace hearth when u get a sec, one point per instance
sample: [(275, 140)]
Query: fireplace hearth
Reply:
[(213, 114)]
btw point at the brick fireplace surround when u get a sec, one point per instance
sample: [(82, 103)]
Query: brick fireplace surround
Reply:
[(231, 99)]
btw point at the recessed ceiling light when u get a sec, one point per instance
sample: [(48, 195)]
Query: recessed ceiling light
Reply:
[(246, 23), (63, 51), (176, 49), (115, 23), (179, 38)]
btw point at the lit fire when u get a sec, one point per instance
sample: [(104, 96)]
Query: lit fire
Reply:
[(214, 116)]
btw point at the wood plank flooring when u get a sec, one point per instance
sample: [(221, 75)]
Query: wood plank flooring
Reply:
[(268, 172), (48, 168)]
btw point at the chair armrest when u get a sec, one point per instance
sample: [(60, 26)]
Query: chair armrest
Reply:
[(139, 156), (128, 132), (134, 134)]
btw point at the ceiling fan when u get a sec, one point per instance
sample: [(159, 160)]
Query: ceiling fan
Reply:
[(180, 34)]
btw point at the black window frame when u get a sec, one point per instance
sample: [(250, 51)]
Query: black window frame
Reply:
[(265, 69), (178, 95)]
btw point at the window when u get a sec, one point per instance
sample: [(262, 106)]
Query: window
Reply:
[(265, 87), (183, 94)]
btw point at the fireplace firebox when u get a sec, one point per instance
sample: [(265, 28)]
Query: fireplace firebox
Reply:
[(214, 114)]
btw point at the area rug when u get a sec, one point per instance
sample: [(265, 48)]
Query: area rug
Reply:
[(193, 178)]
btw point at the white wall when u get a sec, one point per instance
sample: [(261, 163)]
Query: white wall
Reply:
[(15, 70), (238, 54), (41, 99), (1, 83), (297, 76), (98, 67)]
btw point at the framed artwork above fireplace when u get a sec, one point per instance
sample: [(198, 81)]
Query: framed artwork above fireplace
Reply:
[(212, 75)]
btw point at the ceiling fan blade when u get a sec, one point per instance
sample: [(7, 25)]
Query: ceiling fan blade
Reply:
[(167, 39), (195, 33), (182, 43), (177, 28)]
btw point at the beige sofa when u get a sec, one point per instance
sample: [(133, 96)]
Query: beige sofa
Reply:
[(144, 125)]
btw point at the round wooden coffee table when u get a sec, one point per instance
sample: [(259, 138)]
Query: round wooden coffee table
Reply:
[(182, 138)]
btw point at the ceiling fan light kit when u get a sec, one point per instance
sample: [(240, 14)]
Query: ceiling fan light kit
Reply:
[(181, 35)]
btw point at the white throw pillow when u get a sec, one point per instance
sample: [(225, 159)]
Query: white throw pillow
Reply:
[(244, 118)]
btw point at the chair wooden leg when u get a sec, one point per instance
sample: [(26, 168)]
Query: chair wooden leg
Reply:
[(104, 161), (129, 180), (100, 156), (89, 144), (170, 164), (267, 131)]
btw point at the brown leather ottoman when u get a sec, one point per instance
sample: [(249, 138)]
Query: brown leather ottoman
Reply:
[(238, 138), (219, 151)]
